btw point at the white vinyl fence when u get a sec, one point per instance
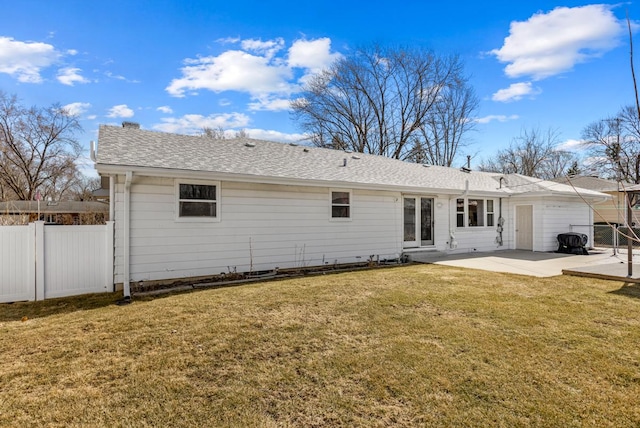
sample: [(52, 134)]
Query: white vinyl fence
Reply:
[(41, 261)]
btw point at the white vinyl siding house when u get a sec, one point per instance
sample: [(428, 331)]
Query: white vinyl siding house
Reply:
[(260, 227), (186, 206)]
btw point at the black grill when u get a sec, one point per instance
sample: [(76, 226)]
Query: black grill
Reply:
[(572, 243)]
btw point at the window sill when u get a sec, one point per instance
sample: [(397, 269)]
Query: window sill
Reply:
[(197, 220), (340, 219)]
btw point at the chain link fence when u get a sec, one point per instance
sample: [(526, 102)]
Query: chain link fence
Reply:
[(610, 235)]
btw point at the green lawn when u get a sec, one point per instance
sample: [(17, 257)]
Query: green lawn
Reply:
[(422, 345)]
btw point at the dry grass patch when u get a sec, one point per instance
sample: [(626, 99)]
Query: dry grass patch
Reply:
[(422, 345)]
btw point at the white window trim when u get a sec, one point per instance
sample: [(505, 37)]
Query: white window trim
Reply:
[(215, 219), (466, 213), (340, 219)]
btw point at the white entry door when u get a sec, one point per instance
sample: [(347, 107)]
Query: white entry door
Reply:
[(418, 221), (524, 227)]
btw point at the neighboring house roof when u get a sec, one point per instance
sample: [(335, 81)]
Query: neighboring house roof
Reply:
[(124, 148), (62, 207), (591, 183)]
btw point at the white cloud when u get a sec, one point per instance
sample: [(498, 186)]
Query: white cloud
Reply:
[(496, 117), (515, 92), (76, 109), (120, 111), (270, 104), (571, 145), (165, 109), (193, 123), (111, 75), (262, 69), (270, 135), (268, 48), (232, 71), (70, 76), (551, 43), (314, 55), (229, 40), (25, 60)]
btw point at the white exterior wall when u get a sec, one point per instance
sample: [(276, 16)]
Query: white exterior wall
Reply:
[(478, 238), (552, 216), (261, 227), (559, 215)]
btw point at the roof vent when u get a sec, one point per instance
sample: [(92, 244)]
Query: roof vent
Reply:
[(465, 169), (426, 165), (344, 162), (355, 157), (249, 144), (131, 125), (305, 150), (293, 144)]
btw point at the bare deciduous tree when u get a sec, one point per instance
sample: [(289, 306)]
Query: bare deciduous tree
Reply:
[(83, 188), (214, 133), (533, 153), (38, 149), (242, 133), (446, 123), (402, 103), (614, 145), (220, 134)]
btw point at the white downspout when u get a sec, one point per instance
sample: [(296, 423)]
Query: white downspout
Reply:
[(127, 243)]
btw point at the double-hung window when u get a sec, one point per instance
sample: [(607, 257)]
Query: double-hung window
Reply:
[(460, 212), (198, 200), (490, 213), (474, 212), (340, 204)]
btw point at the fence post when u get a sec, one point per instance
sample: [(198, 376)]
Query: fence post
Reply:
[(31, 262), (109, 256), (39, 265)]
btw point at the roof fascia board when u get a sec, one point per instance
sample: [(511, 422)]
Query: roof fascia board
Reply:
[(563, 194)]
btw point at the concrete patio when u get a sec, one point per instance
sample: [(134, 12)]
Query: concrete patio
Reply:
[(600, 263)]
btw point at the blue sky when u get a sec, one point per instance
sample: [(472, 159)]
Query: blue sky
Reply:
[(178, 66)]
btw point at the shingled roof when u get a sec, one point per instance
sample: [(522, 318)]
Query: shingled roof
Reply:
[(126, 148), (593, 183)]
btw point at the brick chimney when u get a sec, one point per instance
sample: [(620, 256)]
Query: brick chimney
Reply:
[(131, 125)]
